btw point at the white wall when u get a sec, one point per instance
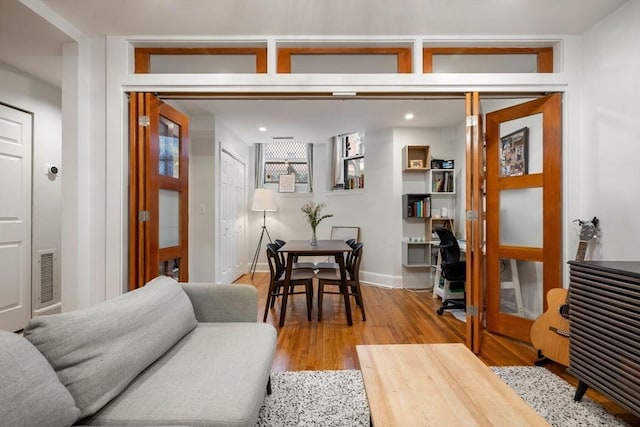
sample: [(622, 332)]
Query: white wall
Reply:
[(445, 144), (202, 180), (44, 101), (377, 209), (610, 117)]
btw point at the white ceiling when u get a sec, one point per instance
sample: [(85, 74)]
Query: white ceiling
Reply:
[(317, 120), (32, 45)]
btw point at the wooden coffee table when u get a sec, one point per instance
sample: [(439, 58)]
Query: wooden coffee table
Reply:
[(437, 385)]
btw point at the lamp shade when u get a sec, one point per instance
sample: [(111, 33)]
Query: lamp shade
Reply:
[(264, 200)]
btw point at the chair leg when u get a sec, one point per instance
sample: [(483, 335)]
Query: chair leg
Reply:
[(320, 294), (270, 300), (357, 293), (309, 288)]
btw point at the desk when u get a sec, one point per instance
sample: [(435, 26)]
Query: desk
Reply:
[(335, 248), (514, 283), (437, 385)]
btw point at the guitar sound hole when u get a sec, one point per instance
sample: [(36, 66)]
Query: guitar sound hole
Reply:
[(564, 310)]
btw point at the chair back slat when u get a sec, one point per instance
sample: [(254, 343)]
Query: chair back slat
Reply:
[(449, 249)]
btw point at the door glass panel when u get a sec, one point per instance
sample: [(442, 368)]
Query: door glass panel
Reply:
[(169, 150), (170, 268), (521, 288), (532, 155), (521, 217), (169, 218)]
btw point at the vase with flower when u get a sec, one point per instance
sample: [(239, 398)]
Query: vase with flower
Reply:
[(313, 215)]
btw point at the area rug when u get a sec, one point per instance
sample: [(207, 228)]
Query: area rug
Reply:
[(552, 398), (337, 398)]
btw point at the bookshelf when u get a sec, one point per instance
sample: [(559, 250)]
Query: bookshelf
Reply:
[(417, 205), (442, 181)]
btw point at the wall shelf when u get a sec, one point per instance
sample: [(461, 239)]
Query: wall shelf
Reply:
[(415, 155), (416, 254)]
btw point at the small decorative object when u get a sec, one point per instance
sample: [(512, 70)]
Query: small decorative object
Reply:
[(513, 153), (287, 183), (436, 163), (415, 164), (447, 164), (313, 215)]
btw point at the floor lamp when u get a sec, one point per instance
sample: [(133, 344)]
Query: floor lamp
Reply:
[(263, 200)]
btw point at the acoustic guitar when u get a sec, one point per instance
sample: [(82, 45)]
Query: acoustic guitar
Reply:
[(550, 331)]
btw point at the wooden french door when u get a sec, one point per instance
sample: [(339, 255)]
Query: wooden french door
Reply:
[(523, 212), (158, 190), (474, 231)]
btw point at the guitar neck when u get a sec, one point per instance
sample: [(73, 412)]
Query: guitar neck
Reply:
[(582, 250)]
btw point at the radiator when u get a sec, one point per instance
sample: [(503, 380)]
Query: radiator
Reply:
[(604, 348)]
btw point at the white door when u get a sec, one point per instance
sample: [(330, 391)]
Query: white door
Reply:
[(15, 218), (232, 218), (239, 219)]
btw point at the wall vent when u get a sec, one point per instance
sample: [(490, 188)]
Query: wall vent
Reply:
[(46, 287), (46, 277)]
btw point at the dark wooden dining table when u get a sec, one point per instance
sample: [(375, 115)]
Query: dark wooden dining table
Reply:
[(335, 248)]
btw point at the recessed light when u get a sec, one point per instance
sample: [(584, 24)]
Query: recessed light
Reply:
[(262, 129), (408, 116)]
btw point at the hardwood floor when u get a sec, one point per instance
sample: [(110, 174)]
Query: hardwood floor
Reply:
[(394, 316)]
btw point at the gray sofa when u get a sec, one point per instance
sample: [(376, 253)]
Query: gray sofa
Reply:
[(165, 354)]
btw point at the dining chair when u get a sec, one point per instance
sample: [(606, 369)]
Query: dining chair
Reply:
[(296, 265), (331, 277), (300, 277), (334, 265)]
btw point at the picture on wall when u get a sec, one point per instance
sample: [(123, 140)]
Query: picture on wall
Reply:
[(513, 153), (287, 183)]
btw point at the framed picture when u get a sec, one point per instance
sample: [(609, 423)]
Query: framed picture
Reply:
[(287, 183), (514, 149), (415, 164)]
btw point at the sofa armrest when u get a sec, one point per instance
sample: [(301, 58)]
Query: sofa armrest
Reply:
[(223, 303)]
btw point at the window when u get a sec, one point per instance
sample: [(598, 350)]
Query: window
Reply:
[(285, 158), (348, 161)]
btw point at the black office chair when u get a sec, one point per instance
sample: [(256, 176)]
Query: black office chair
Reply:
[(452, 268)]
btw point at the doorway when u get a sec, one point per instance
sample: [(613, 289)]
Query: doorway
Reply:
[(490, 104)]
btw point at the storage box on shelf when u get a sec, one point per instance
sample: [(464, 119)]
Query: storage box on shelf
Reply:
[(416, 254), (442, 181), (416, 158)]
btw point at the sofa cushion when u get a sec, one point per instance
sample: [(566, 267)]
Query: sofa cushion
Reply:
[(97, 351), (30, 392), (215, 376)]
